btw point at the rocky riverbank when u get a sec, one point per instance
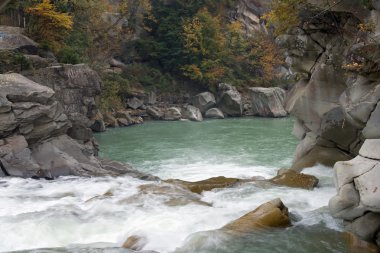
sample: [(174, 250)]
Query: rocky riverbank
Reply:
[(336, 103)]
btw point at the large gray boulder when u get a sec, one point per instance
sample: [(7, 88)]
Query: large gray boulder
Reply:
[(229, 100), (268, 102), (204, 101), (192, 113), (214, 113)]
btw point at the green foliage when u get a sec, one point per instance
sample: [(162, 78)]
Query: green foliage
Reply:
[(69, 56), (13, 62), (191, 39), (111, 99)]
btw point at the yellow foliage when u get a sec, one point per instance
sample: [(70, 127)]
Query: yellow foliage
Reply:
[(48, 24), (266, 55), (284, 14)]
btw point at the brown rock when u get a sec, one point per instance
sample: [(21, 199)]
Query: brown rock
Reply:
[(269, 215), (295, 179), (208, 184), (135, 242)]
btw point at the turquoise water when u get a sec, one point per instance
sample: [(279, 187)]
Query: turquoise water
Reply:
[(193, 150)]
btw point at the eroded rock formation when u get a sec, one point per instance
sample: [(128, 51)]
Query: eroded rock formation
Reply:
[(336, 105), (34, 140)]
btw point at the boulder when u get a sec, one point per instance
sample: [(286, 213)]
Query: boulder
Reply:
[(134, 103), (204, 101), (268, 102), (172, 114), (192, 113), (229, 100), (214, 113), (273, 214), (294, 179)]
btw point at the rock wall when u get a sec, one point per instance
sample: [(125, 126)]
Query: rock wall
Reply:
[(78, 89), (33, 136), (336, 105)]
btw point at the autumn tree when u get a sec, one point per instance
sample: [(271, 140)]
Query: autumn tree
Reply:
[(284, 14), (47, 24), (204, 44)]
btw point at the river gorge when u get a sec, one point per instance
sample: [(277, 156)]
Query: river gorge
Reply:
[(83, 214)]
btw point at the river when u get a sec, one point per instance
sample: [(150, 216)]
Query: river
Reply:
[(83, 214)]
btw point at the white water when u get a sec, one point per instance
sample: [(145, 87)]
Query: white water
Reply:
[(71, 212), (45, 214)]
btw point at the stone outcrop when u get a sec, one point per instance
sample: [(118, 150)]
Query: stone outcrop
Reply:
[(33, 136), (358, 199), (229, 100), (268, 102), (77, 88), (336, 106)]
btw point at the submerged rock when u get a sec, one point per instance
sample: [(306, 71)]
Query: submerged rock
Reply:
[(135, 242), (170, 194), (273, 214), (268, 102), (294, 179), (204, 101), (208, 184), (214, 113)]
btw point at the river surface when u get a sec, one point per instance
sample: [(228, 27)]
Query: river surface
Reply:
[(98, 214)]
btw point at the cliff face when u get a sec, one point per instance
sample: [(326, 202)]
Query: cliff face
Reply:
[(336, 103)]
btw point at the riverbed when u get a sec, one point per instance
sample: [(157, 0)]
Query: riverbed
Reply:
[(83, 214)]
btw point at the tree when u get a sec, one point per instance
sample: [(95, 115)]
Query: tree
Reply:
[(204, 44), (284, 14), (47, 24)]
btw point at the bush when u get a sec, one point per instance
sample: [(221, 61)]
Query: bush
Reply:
[(69, 56)]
